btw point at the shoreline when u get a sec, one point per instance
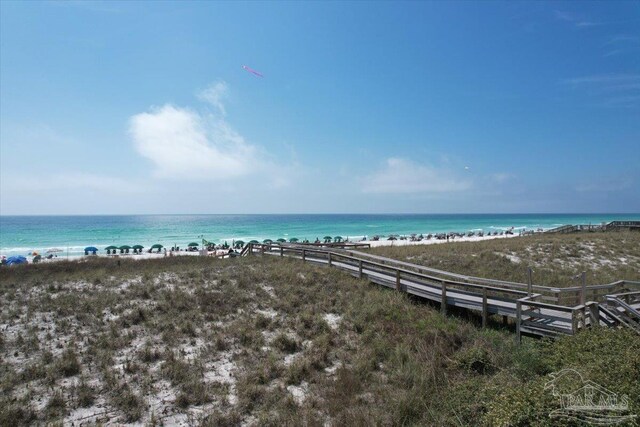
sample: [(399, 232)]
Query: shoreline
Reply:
[(220, 252)]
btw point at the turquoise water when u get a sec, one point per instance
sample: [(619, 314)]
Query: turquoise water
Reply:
[(24, 234)]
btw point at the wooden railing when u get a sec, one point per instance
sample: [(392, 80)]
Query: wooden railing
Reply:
[(623, 224), (569, 228), (537, 310)]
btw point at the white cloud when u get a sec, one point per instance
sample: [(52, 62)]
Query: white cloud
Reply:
[(214, 94), (185, 144), (404, 176)]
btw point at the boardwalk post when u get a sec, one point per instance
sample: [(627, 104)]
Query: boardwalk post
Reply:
[(329, 259), (529, 282), (583, 293), (304, 255), (281, 251), (485, 308), (398, 288), (443, 302), (518, 320), (360, 268), (594, 315)]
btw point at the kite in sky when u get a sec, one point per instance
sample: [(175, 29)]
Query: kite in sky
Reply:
[(252, 71)]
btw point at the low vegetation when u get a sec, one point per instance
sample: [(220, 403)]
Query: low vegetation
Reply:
[(556, 259), (270, 341)]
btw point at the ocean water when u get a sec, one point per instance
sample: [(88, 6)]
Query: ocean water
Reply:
[(20, 235)]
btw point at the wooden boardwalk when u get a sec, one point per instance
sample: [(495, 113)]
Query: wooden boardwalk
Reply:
[(536, 310), (613, 225)]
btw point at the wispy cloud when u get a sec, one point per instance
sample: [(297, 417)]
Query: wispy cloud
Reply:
[(609, 80), (575, 20), (612, 90), (622, 44), (605, 185), (501, 177), (215, 94), (81, 181), (93, 5), (405, 176)]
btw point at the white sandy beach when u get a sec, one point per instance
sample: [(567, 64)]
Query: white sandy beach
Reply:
[(221, 252)]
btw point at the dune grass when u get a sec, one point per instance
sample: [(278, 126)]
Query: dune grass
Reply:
[(556, 259), (267, 341)]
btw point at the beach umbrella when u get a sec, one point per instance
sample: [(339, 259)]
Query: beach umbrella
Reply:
[(157, 246), (125, 247), (327, 239), (54, 250), (293, 240), (281, 240), (91, 249), (267, 241), (19, 259), (238, 244), (254, 242), (192, 244), (138, 247), (108, 248), (337, 239)]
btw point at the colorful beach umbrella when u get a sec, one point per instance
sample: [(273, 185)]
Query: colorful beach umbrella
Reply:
[(14, 260), (91, 249)]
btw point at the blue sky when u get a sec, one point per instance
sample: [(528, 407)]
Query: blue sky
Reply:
[(434, 107)]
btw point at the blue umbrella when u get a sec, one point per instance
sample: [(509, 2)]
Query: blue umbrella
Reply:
[(16, 260), (91, 249)]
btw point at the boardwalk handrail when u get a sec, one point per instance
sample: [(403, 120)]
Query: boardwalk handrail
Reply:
[(535, 313), (569, 228)]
